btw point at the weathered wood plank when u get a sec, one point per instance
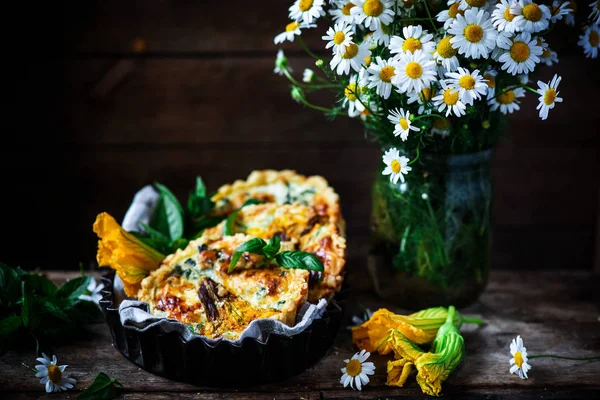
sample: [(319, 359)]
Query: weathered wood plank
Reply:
[(553, 311)]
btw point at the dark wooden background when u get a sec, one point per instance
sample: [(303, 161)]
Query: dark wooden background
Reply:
[(90, 121)]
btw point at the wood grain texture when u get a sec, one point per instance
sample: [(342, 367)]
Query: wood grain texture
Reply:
[(553, 311)]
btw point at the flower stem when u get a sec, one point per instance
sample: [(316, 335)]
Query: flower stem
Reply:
[(35, 371), (596, 358), (305, 47), (470, 320), (416, 158)]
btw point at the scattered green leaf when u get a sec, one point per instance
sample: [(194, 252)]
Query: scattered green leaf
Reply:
[(254, 246), (9, 324), (103, 388), (74, 288)]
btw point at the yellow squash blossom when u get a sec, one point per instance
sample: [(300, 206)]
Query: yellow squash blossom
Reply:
[(420, 328), (123, 252), (434, 367)]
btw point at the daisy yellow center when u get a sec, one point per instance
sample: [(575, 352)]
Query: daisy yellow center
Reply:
[(519, 51), (473, 33), (491, 81), (373, 8), (532, 12), (396, 168), (411, 44), (476, 3), (453, 11), (508, 15), (545, 53), (450, 97), (54, 374), (403, 123), (414, 70), (506, 98), (519, 359), (466, 82), (351, 51), (292, 26), (386, 73), (426, 94), (368, 61), (305, 5), (549, 96), (594, 39), (347, 7), (339, 38), (351, 91), (445, 49)]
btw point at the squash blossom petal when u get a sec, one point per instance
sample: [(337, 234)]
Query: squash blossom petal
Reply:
[(131, 258), (420, 327)]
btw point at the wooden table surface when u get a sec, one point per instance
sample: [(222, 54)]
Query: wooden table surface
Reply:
[(555, 312)]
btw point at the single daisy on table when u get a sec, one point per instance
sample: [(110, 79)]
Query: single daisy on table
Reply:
[(354, 96), (342, 12), (306, 10), (531, 17), (423, 98), (93, 292), (396, 166), (352, 56), (52, 375), (449, 100), (558, 9), (508, 101), (521, 53), (401, 120), (490, 80), (548, 96), (595, 14), (357, 370), (445, 55), (415, 72), (518, 361), (590, 41), (466, 4), (503, 18), (474, 35), (291, 30), (382, 72), (470, 85), (371, 13), (448, 16), (382, 35), (338, 37), (414, 38), (549, 57)]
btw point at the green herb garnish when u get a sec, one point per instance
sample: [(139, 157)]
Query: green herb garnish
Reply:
[(103, 388), (285, 259)]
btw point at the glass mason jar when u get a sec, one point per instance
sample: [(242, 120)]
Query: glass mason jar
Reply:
[(431, 235)]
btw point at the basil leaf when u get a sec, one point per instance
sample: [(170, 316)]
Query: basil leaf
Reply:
[(29, 314), (272, 248), (86, 312), (154, 233), (103, 388), (198, 202), (74, 288), (41, 285), (254, 246), (162, 246), (9, 325), (299, 260), (228, 230), (10, 289), (55, 311), (168, 215), (180, 243), (207, 222)]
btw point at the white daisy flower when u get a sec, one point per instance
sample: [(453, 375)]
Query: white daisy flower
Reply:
[(448, 16), (470, 86), (372, 13), (590, 41), (508, 101), (502, 18), (415, 72), (401, 120), (353, 55), (338, 37), (521, 53), (382, 72), (570, 18), (531, 17), (93, 292), (523, 79), (449, 101), (291, 30), (474, 35), (490, 80), (445, 55), (595, 14), (382, 35), (396, 166), (415, 38), (549, 57), (52, 375), (466, 4), (354, 96), (423, 98), (281, 63), (370, 106), (356, 370), (518, 361), (342, 13), (558, 9), (306, 10), (548, 96)]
